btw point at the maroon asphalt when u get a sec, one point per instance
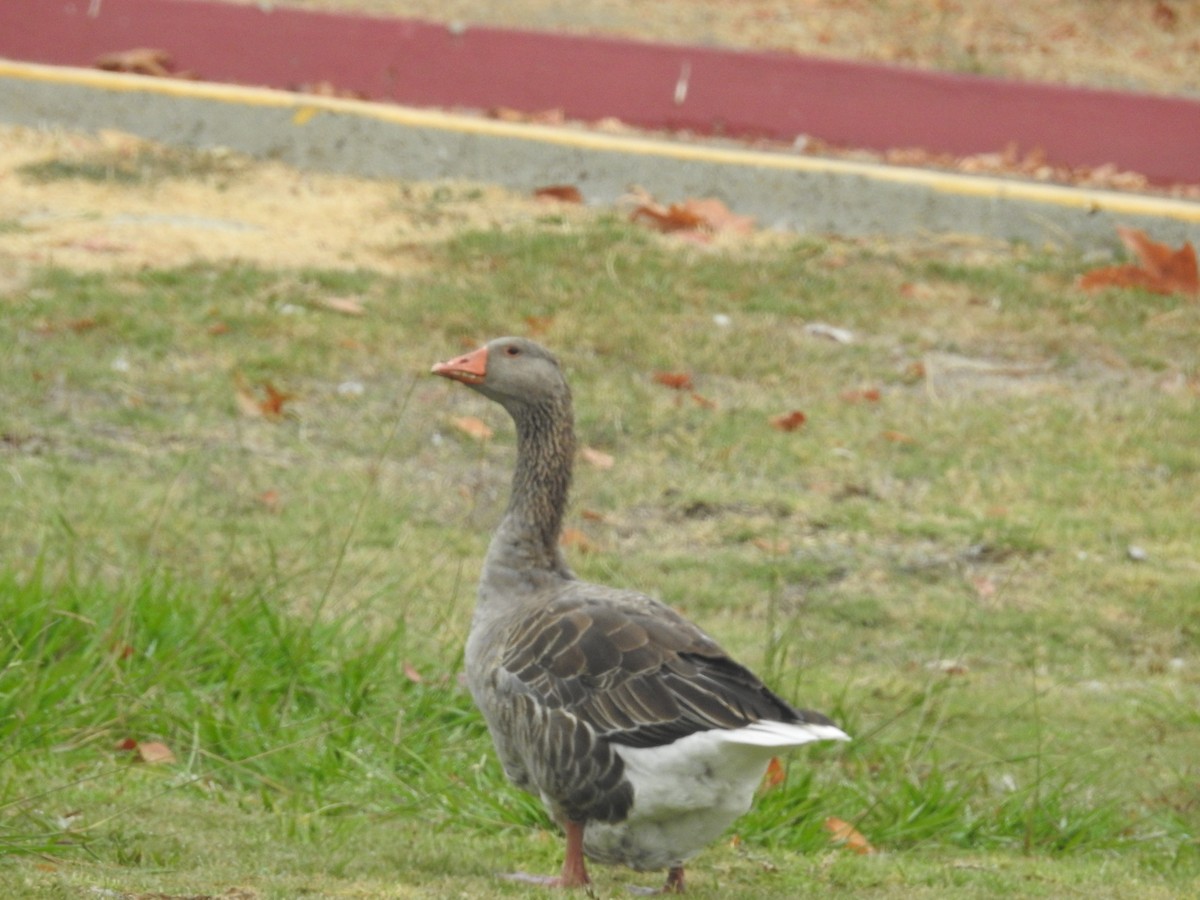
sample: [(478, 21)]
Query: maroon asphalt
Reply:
[(660, 86)]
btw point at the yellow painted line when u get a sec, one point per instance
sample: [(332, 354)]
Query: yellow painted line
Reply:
[(305, 107)]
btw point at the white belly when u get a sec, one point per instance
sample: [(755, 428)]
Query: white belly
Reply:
[(688, 792)]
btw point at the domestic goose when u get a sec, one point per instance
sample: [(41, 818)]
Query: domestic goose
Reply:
[(642, 738)]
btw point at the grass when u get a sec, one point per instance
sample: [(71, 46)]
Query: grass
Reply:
[(283, 602)]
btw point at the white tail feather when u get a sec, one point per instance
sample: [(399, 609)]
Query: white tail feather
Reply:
[(782, 734)]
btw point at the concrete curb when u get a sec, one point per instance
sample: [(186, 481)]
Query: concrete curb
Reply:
[(804, 194)]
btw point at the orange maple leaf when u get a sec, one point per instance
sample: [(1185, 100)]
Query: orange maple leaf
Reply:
[(865, 395), (573, 537), (270, 407), (1158, 269), (564, 193), (788, 421), (679, 381), (706, 214), (842, 832)]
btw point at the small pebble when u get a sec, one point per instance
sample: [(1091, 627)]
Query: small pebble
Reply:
[(722, 320), (1137, 554), (351, 388)]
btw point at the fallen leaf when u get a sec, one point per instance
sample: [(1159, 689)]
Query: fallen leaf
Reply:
[(270, 500), (774, 775), (154, 753), (679, 381), (127, 744), (597, 458), (411, 673), (218, 328), (564, 193), (347, 306), (538, 325), (701, 400), (707, 215), (554, 116), (592, 516), (144, 61), (842, 832), (898, 437), (270, 407), (573, 537), (864, 395), (1158, 269), (788, 421), (1164, 16), (473, 427), (139, 61)]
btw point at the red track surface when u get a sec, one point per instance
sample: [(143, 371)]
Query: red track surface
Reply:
[(651, 85)]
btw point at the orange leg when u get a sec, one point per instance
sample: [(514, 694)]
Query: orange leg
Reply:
[(574, 870)]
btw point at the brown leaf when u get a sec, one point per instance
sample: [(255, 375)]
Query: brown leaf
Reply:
[(707, 215), (538, 325), (842, 832), (127, 744), (272, 405), (573, 537), (788, 421), (898, 437), (701, 400), (1158, 269), (591, 515), (473, 427), (411, 673), (249, 405), (564, 193), (1164, 16), (153, 752), (140, 61), (774, 775), (864, 395), (679, 381), (270, 500), (218, 328), (554, 116), (596, 458)]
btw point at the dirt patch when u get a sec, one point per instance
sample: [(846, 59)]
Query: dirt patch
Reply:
[(113, 201)]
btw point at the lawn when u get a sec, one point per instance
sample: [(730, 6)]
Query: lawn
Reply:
[(241, 521)]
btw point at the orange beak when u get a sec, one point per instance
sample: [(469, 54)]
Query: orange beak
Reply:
[(470, 368)]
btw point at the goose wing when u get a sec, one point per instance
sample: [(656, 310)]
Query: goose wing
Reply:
[(634, 670)]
